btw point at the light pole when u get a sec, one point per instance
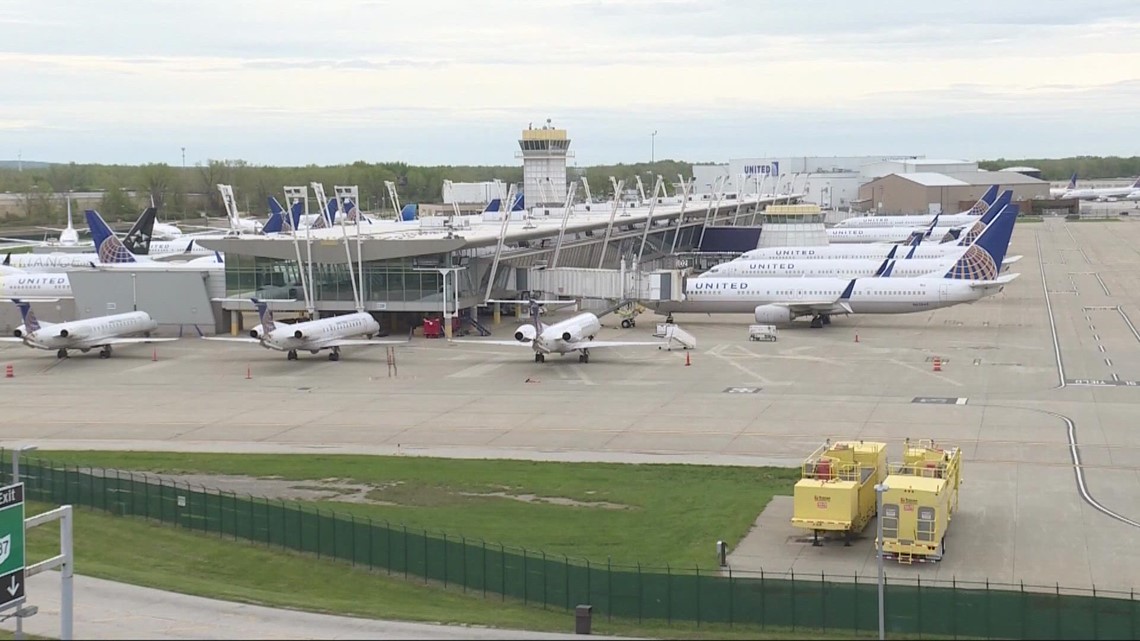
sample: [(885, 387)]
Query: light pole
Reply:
[(16, 460), (183, 159), (652, 146), (880, 488)]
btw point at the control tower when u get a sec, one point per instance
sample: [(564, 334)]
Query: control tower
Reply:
[(544, 153), (792, 226)]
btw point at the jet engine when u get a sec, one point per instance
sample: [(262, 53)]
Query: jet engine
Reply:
[(525, 334), (298, 335), (19, 331), (773, 315), (256, 331), (63, 333)]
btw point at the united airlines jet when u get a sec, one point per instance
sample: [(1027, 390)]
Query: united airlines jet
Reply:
[(84, 335), (964, 218), (781, 300), (575, 334), (311, 336)]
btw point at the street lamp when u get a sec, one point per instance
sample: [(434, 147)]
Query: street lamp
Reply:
[(16, 460), (880, 488), (652, 146)]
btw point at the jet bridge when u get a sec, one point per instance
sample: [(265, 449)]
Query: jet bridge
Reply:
[(608, 284)]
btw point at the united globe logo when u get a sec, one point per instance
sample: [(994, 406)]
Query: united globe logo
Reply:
[(112, 250), (975, 264)]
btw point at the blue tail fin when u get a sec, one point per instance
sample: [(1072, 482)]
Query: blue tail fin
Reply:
[(517, 205), (408, 212), (1073, 181), (984, 202), (331, 209), (982, 259), (910, 254), (276, 222), (971, 234), (492, 206), (107, 245), (296, 209), (31, 324), (267, 324), (881, 271), (887, 272)]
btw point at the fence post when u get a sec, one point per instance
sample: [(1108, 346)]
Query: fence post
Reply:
[(234, 495), (425, 555), (525, 591), (284, 526), (484, 563), (1096, 614), (334, 518), (1057, 612), (405, 552), (444, 560), (352, 537), (855, 610), (371, 537), (463, 542), (920, 619), (319, 528), (1132, 613), (566, 571), (609, 591), (763, 602), (698, 582), (988, 619), (146, 495), (641, 590), (793, 600), (823, 601), (300, 528), (731, 596), (1023, 608), (544, 581), (589, 591), (954, 603), (503, 572)]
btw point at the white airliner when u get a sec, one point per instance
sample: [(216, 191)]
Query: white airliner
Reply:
[(575, 334), (837, 268), (1101, 193), (84, 335), (35, 286), (922, 220), (782, 300), (1058, 192), (311, 336)]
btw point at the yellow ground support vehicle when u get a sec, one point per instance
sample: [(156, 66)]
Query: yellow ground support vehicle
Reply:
[(921, 498), (836, 491)]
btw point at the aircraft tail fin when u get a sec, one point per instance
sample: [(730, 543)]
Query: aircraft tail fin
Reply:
[(982, 259), (107, 245), (31, 324), (890, 267), (265, 314), (277, 221), (848, 291), (138, 238), (1073, 181), (1136, 183)]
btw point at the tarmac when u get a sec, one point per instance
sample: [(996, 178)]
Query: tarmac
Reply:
[(1046, 369)]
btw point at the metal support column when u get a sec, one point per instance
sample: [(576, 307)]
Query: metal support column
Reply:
[(613, 213), (506, 212), (657, 186), (567, 205), (717, 189), (685, 186)]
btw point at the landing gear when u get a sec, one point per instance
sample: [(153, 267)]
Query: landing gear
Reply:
[(817, 321), (626, 323), (540, 358), (334, 355), (105, 352), (584, 357), (292, 355), (61, 353), (669, 319), (826, 319)]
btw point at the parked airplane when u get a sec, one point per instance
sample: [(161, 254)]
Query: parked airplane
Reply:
[(781, 300), (1058, 192), (114, 255), (68, 236), (1102, 193), (84, 335), (575, 334), (35, 286), (311, 336), (964, 218), (906, 267), (137, 238)]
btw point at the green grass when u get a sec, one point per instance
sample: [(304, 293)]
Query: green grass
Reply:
[(135, 551), (673, 513)]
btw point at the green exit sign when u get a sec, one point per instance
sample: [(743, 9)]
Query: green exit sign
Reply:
[(11, 545)]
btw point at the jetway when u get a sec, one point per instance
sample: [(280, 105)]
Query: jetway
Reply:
[(609, 284)]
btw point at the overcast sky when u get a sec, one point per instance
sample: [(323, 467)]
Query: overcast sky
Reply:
[(293, 82)]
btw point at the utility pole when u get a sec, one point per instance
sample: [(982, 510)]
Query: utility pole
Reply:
[(184, 159), (652, 146), (880, 488)]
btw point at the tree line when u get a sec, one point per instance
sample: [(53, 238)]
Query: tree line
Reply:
[(181, 192), (1086, 167)]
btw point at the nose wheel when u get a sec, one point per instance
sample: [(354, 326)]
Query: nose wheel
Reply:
[(540, 358), (292, 355), (61, 353), (105, 352), (584, 357)]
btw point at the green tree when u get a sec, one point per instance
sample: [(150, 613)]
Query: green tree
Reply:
[(116, 205), (158, 181)]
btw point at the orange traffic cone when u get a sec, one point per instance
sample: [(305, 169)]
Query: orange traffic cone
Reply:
[(856, 337), (9, 371), (154, 354), (248, 372), (937, 364), (688, 361)]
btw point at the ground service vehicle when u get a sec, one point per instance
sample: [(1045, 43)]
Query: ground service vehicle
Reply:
[(836, 491), (921, 498)]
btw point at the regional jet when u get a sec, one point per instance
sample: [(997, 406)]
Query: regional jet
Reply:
[(311, 336), (84, 335), (575, 334)]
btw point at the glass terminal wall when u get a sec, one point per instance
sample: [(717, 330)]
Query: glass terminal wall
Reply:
[(385, 281)]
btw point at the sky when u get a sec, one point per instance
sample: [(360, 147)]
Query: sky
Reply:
[(453, 82)]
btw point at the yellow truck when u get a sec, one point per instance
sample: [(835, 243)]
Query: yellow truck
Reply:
[(920, 500), (836, 491)]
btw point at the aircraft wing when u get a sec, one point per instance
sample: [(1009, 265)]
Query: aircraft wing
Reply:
[(232, 339), (360, 342), (600, 344), (1009, 260), (10, 339), (1000, 281), (130, 341), (803, 308), (477, 341)]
